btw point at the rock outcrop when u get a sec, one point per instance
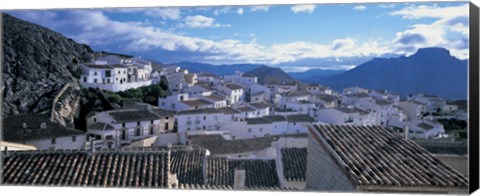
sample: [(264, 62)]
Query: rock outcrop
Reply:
[(37, 64)]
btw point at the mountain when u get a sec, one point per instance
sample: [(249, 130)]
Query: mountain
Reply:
[(267, 74), (217, 69), (314, 75), (40, 71), (430, 70)]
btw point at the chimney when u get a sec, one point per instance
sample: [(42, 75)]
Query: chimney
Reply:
[(92, 145), (406, 131), (43, 125), (24, 125), (239, 179)]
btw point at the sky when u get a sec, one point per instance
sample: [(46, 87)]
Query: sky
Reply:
[(292, 37)]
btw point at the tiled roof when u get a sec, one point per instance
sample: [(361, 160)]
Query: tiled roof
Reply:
[(196, 102), (300, 118), (360, 95), (258, 173), (228, 110), (13, 130), (425, 126), (256, 121), (132, 115), (248, 75), (217, 145), (294, 161), (327, 98), (373, 156), (276, 118), (79, 168), (298, 94), (245, 109), (382, 102), (351, 110), (234, 86), (260, 105), (258, 93), (200, 111), (95, 66), (100, 126), (188, 165), (215, 97)]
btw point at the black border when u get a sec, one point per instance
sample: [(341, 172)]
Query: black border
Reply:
[(473, 108)]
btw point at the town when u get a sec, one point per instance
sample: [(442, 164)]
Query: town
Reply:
[(232, 132)]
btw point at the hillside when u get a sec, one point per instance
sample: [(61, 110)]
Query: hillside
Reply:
[(217, 69), (430, 70), (314, 75), (267, 74), (40, 66)]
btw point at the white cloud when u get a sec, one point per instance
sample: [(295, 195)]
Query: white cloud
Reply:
[(262, 8), (164, 13), (342, 44), (423, 11), (303, 8), (387, 6), (199, 21), (360, 7), (240, 11)]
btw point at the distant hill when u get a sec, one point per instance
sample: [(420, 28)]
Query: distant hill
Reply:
[(314, 75), (217, 69), (430, 70), (271, 75)]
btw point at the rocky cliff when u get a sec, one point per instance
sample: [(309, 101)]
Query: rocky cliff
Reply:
[(37, 64)]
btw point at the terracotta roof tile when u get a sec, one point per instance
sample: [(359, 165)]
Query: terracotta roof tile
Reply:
[(294, 161)]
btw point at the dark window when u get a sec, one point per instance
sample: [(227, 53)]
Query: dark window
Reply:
[(53, 141), (204, 117), (74, 138), (166, 126), (137, 132), (151, 122), (152, 130), (138, 123), (94, 80), (203, 127), (108, 73), (123, 124), (94, 119), (124, 134)]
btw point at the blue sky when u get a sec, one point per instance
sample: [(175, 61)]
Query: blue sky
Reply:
[(293, 37)]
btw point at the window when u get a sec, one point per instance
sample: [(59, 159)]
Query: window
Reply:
[(152, 130), (151, 122), (124, 135), (137, 131), (53, 141), (94, 73), (204, 117), (138, 123), (94, 80), (166, 126), (94, 119), (173, 105), (109, 137), (74, 138), (204, 127), (108, 73), (261, 129), (249, 130), (123, 124), (166, 117)]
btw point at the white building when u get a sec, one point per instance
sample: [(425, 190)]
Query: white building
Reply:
[(122, 127), (182, 102), (208, 119), (344, 115), (115, 77), (412, 109), (317, 89), (40, 132), (207, 78), (247, 80), (234, 92), (325, 101), (431, 103)]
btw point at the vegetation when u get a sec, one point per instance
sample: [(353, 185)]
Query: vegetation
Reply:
[(147, 94), (453, 124)]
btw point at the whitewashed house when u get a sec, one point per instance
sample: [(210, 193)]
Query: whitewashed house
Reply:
[(208, 119), (260, 93), (385, 95), (207, 78), (424, 129), (432, 103), (234, 92), (299, 123), (246, 80), (182, 102), (380, 108), (325, 101), (412, 109), (293, 96), (354, 90), (115, 128), (345, 115), (40, 132), (317, 89)]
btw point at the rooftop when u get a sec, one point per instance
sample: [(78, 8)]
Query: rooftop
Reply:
[(215, 97), (275, 118), (298, 94), (228, 110), (261, 105), (233, 86), (196, 102), (100, 126), (80, 168), (13, 130), (200, 111), (300, 118), (132, 115), (327, 98), (217, 145), (294, 161), (383, 102), (245, 109), (258, 173), (374, 156), (255, 121), (351, 110)]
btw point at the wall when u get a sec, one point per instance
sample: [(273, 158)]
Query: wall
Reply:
[(116, 87), (60, 143), (167, 138), (323, 173)]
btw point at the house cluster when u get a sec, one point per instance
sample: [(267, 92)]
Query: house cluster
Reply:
[(230, 132), (117, 73)]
